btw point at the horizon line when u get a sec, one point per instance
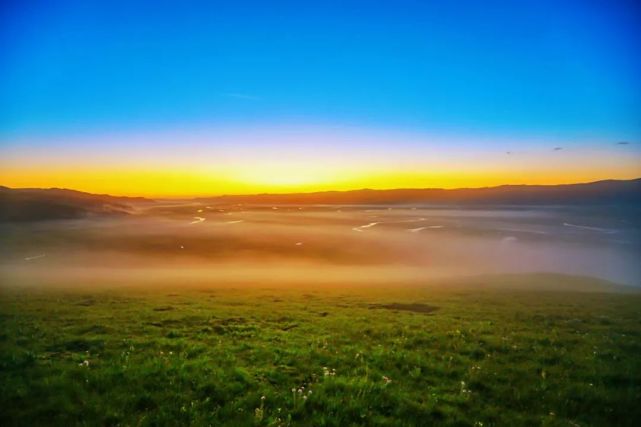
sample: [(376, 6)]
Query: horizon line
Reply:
[(318, 192)]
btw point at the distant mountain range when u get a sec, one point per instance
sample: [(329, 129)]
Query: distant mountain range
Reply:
[(35, 204), (32, 204), (615, 192)]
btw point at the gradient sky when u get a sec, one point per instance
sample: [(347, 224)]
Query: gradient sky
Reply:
[(175, 98)]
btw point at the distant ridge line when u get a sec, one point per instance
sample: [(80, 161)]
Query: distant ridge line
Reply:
[(598, 192), (608, 191)]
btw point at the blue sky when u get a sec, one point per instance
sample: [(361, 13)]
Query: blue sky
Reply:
[(544, 67), (536, 73)]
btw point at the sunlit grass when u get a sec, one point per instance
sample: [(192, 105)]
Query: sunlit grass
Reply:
[(287, 356)]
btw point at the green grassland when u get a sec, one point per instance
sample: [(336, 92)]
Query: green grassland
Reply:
[(335, 356)]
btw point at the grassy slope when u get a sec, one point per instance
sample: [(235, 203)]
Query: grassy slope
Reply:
[(206, 356)]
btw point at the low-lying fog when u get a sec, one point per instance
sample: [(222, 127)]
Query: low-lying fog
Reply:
[(188, 242)]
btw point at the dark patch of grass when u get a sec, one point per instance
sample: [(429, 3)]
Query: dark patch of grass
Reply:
[(415, 307)]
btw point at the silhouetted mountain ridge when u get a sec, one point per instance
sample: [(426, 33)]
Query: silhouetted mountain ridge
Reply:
[(35, 204), (615, 192)]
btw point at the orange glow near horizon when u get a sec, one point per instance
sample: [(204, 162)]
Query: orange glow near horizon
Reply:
[(170, 184), (290, 160)]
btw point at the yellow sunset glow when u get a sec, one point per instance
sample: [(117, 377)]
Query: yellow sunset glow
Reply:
[(164, 182)]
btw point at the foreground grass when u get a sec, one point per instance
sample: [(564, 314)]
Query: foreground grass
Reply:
[(332, 357)]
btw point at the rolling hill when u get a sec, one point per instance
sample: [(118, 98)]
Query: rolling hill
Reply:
[(34, 204), (610, 192)]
